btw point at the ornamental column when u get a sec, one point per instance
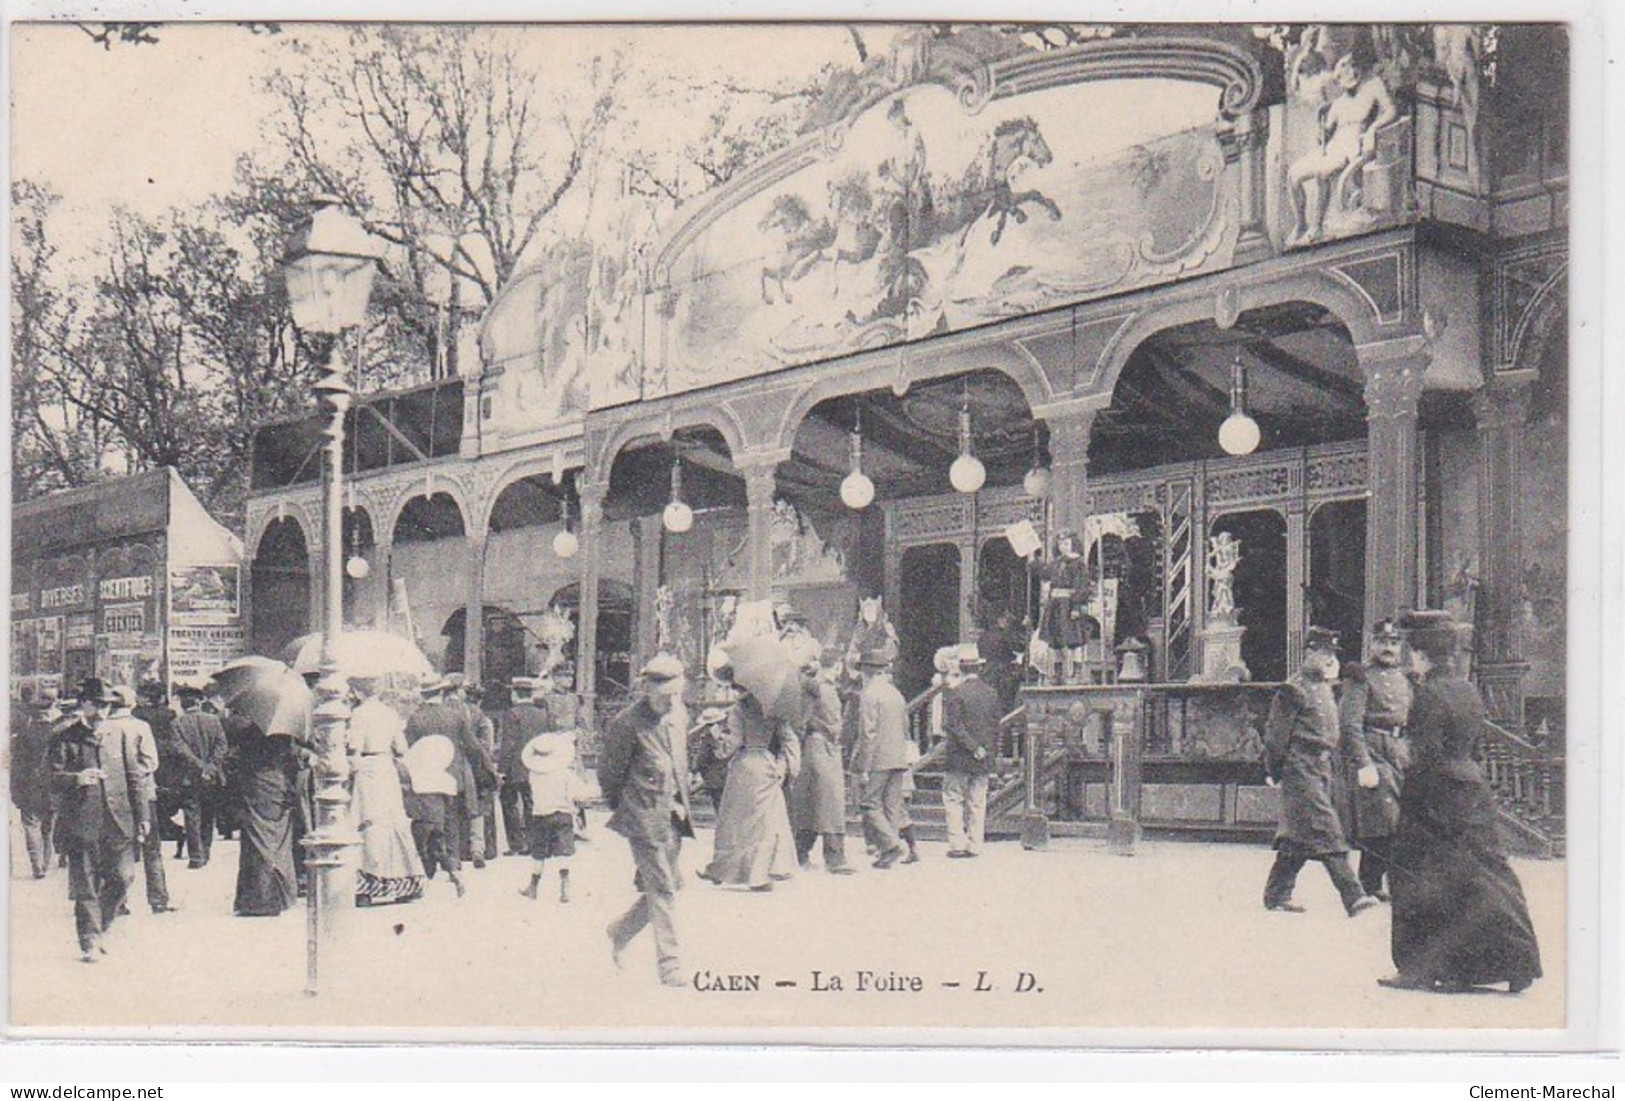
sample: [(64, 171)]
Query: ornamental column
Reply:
[(474, 615), (1394, 373), (1502, 413), (589, 549), (760, 474), (1069, 471)]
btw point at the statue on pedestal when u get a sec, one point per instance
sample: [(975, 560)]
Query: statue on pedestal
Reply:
[(1221, 637)]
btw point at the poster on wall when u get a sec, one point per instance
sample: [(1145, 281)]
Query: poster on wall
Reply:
[(204, 594), (196, 652), (48, 644)]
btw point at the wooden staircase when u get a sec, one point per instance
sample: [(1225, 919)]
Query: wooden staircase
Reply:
[(1528, 781)]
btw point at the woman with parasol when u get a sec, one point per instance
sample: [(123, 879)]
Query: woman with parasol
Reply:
[(753, 843), (390, 868), (267, 722)]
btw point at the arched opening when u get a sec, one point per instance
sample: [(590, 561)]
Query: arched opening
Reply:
[(280, 580), (1260, 589), (906, 444), (613, 653), (678, 569), (366, 580), (1302, 377), (503, 654), (430, 568)]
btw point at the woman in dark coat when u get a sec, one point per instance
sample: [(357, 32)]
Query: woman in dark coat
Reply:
[(267, 778), (1460, 918)]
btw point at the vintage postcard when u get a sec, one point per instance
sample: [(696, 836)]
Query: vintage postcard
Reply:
[(979, 532)]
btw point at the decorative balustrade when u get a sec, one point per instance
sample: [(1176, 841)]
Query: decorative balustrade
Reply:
[(1528, 781)]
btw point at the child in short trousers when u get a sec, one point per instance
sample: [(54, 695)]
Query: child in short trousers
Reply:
[(549, 758)]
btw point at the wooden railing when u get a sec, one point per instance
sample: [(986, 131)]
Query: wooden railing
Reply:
[(1528, 781)]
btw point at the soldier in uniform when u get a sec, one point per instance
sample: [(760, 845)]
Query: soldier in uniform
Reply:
[(1301, 740), (1376, 703)]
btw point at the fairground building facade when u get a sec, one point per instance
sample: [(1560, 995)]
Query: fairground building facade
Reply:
[(1271, 324)]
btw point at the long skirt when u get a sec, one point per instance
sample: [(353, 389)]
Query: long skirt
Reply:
[(390, 868), (1459, 911), (265, 875), (818, 793), (753, 840)]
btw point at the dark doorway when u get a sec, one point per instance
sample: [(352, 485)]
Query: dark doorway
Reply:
[(279, 587), (1002, 583), (929, 616), (1336, 595), (1260, 587), (502, 653)]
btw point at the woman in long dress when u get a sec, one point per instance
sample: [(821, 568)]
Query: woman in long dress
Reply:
[(267, 790), (754, 845), (390, 868), (1460, 919)]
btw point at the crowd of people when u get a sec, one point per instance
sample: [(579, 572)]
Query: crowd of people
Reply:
[(1379, 760)]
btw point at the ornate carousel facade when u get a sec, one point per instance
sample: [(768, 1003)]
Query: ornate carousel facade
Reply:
[(1274, 326)]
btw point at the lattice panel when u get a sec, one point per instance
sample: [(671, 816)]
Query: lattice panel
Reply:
[(933, 521)]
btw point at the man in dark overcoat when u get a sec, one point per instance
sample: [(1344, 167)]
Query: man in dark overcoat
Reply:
[(880, 761), (31, 725), (970, 723), (523, 720), (198, 748), (643, 772), (1375, 706), (1301, 738), (102, 816), (818, 789)]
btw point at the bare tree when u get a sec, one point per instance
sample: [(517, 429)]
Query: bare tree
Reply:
[(450, 146)]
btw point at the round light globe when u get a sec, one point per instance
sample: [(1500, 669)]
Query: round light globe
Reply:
[(677, 518), (1036, 482), (565, 544), (857, 491), (1239, 435), (967, 474), (357, 567)]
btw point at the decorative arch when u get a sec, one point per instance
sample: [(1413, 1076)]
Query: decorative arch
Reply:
[(1533, 328), (450, 485), (1020, 368), (527, 467), (403, 504), (1352, 307), (661, 424), (262, 525)]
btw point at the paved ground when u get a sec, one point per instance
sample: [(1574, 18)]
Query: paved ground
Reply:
[(1173, 937)]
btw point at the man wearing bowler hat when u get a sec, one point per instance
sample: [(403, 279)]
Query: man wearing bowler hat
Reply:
[(98, 776), (1301, 738), (643, 771), (880, 760), (971, 725)]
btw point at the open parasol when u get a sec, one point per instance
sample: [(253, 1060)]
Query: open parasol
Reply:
[(365, 653), (266, 693), (766, 668)]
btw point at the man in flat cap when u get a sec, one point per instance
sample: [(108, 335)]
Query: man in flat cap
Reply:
[(643, 771), (1375, 706), (97, 774), (1301, 738)]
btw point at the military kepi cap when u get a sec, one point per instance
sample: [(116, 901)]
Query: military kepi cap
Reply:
[(1388, 630), (1432, 631), (1320, 638)]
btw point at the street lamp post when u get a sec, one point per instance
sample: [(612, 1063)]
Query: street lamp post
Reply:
[(329, 267)]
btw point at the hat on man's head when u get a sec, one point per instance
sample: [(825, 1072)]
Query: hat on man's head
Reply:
[(1388, 630), (153, 690), (1320, 638), (455, 680), (664, 672), (1433, 632), (91, 690), (431, 684), (970, 656), (121, 696), (524, 684)]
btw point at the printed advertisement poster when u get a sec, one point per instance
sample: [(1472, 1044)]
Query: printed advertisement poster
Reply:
[(204, 594), (195, 652)]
